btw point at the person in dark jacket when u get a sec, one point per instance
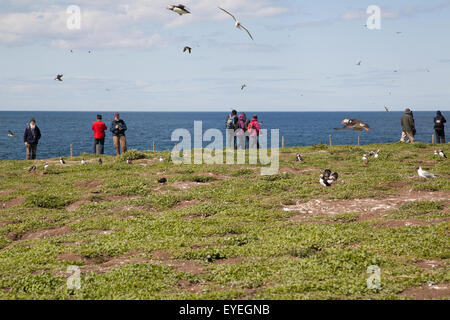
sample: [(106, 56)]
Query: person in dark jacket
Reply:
[(31, 139), (118, 128), (231, 124), (408, 126), (439, 127)]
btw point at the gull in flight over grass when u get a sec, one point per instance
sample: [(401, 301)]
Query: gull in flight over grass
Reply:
[(238, 24)]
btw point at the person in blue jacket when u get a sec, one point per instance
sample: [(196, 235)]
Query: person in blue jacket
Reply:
[(31, 139), (118, 128)]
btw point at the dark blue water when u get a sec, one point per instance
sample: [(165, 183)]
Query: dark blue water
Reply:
[(60, 129)]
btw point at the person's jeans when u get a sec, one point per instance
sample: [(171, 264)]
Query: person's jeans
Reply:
[(101, 146), (407, 134), (31, 151), (440, 136), (120, 143)]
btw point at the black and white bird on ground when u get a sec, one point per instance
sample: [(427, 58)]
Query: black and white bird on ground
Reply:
[(11, 134), (327, 178), (442, 154), (365, 160), (46, 166), (238, 24), (100, 161), (425, 174), (59, 77), (32, 168), (299, 158), (180, 9), (436, 153), (162, 181), (161, 159), (377, 155), (83, 162), (129, 161), (189, 49), (61, 160)]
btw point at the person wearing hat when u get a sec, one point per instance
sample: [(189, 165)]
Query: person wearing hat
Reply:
[(408, 126), (439, 127), (118, 128), (99, 128), (31, 138)]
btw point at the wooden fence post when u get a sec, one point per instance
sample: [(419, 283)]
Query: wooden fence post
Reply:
[(154, 146), (71, 150), (282, 142), (331, 140), (359, 139), (432, 139)]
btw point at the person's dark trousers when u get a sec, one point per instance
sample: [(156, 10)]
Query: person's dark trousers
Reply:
[(101, 146), (440, 136), (31, 151)]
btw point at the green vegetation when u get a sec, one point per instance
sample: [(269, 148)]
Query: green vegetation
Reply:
[(225, 231)]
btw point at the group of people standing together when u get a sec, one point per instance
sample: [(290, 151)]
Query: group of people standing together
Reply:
[(409, 127), (118, 128), (242, 133)]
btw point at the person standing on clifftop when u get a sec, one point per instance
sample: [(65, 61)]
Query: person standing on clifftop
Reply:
[(439, 127), (408, 126), (118, 128), (31, 138), (99, 128)]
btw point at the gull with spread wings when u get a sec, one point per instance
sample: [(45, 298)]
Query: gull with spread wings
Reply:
[(238, 24)]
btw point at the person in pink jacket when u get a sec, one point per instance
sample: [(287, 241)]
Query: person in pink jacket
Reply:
[(254, 129)]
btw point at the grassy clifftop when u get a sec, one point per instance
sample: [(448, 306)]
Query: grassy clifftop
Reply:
[(225, 231)]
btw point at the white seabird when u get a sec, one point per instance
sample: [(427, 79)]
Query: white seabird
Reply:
[(299, 158), (61, 160), (46, 166), (365, 159), (425, 174), (180, 9), (83, 162), (442, 154), (238, 24)]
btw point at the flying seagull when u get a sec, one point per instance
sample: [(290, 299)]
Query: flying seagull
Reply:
[(243, 86), (187, 49), (386, 108), (61, 160), (359, 63), (59, 77), (180, 9), (355, 124), (425, 174), (11, 134), (238, 24), (442, 154)]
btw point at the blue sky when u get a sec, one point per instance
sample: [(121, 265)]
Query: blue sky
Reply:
[(303, 58)]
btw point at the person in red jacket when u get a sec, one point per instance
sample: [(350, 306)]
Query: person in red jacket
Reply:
[(99, 128)]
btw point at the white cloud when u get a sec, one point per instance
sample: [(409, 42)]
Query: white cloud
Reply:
[(118, 24)]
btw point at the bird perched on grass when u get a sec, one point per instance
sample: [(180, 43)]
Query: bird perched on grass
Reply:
[(59, 77), (436, 153), (61, 160), (365, 160), (100, 161), (327, 178), (376, 155), (238, 24), (189, 49), (425, 174), (355, 124), (83, 162), (161, 159), (32, 168), (442, 154), (180, 9), (11, 134), (162, 181), (299, 158), (129, 161), (46, 166)]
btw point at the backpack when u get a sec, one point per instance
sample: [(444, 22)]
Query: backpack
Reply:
[(231, 122)]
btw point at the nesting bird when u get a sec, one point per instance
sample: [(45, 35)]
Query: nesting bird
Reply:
[(299, 158), (425, 174), (59, 77), (180, 9), (61, 160), (327, 178), (238, 24)]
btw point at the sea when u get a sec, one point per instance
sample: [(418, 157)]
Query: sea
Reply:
[(62, 129)]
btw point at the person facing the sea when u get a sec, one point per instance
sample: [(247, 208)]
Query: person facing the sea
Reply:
[(231, 124), (254, 129), (439, 127), (118, 128), (31, 138), (408, 126), (99, 128), (241, 129)]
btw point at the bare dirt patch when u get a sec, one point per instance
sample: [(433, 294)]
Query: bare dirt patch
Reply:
[(184, 185), (88, 184), (185, 204), (237, 260), (6, 192), (161, 255), (189, 266), (46, 233), (430, 264), (190, 287), (102, 232), (428, 292), (12, 203), (74, 206), (404, 223), (364, 206)]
